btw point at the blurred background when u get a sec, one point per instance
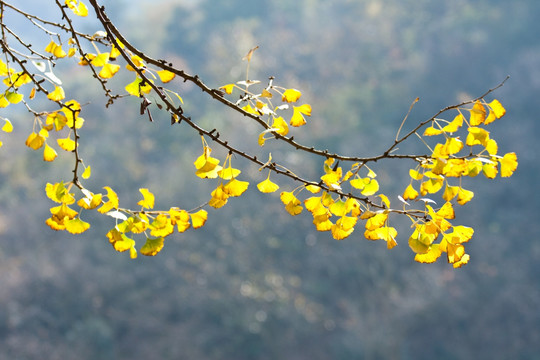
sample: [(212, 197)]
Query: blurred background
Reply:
[(256, 283)]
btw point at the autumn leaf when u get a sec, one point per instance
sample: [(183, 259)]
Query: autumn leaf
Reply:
[(292, 204), (478, 114), (228, 88), (291, 95), (198, 219), (509, 164), (49, 154), (152, 246), (165, 76), (298, 111), (410, 193), (148, 199), (267, 186), (66, 144), (112, 202), (108, 71), (236, 187), (161, 226), (76, 226), (87, 172)]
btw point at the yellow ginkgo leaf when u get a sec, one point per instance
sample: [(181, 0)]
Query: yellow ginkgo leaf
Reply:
[(228, 88), (91, 202), (478, 114), (464, 196), (228, 173), (112, 202), (180, 218), (108, 71), (87, 172), (509, 164), (490, 170), (57, 95), (431, 131), (66, 144), (292, 204), (49, 154), (267, 186), (165, 75), (497, 108), (152, 246), (376, 221), (78, 7), (430, 256), (450, 192), (148, 199), (410, 193), (76, 226), (8, 127), (291, 95), (280, 126), (14, 97), (298, 111), (161, 226), (199, 218), (455, 124), (236, 187), (55, 49)]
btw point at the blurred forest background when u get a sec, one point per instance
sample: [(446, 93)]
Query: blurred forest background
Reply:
[(255, 283)]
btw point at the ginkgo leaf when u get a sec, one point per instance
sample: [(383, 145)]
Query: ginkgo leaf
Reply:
[(343, 227), (49, 154), (87, 172), (280, 126), (497, 108), (410, 193), (464, 260), (161, 226), (490, 170), (371, 187), (431, 131), (376, 221), (137, 87), (55, 49), (236, 187), (228, 88), (108, 71), (477, 136), (59, 193), (492, 147), (455, 124), (100, 59), (152, 246), (91, 202), (313, 189), (464, 196), (509, 164), (453, 145), (291, 95), (292, 204), (76, 226), (35, 141), (298, 111), (78, 7), (431, 256), (8, 127), (66, 144), (450, 192), (267, 186), (165, 75), (454, 252), (148, 199), (199, 218), (112, 202), (219, 197), (431, 186), (415, 174), (228, 173), (478, 114), (14, 97), (3, 101), (180, 218)]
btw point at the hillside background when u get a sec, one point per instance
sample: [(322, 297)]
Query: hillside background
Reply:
[(255, 283)]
